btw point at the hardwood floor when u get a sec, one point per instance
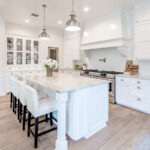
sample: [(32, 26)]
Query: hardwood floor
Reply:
[(125, 129)]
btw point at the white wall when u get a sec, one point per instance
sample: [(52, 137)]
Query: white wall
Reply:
[(71, 48), (114, 62), (144, 67), (56, 39), (2, 54)]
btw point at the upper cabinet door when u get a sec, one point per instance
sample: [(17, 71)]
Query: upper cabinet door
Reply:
[(28, 45), (10, 50), (142, 30)]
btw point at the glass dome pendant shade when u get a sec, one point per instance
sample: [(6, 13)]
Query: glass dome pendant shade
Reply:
[(72, 24), (44, 35)]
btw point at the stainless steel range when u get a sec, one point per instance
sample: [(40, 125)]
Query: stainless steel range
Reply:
[(106, 75)]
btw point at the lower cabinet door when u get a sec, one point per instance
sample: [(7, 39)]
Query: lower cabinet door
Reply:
[(140, 104), (123, 94)]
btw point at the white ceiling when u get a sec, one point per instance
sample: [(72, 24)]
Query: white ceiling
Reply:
[(16, 11)]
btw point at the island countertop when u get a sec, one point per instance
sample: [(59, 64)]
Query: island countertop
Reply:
[(61, 82)]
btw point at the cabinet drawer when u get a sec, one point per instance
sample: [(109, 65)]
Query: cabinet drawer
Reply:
[(140, 82), (122, 80), (140, 91), (140, 104)]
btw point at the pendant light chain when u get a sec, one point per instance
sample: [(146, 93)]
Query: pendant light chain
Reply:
[(44, 6), (72, 5), (44, 35)]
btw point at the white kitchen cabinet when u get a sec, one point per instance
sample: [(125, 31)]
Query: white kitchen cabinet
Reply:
[(22, 51), (133, 93), (123, 91), (142, 30)]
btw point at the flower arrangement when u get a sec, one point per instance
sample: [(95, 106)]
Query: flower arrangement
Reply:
[(51, 63)]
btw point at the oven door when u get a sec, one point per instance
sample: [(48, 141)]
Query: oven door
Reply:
[(111, 91)]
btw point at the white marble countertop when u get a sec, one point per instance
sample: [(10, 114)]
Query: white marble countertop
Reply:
[(135, 76), (61, 82)]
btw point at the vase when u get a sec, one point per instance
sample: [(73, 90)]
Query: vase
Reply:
[(49, 72)]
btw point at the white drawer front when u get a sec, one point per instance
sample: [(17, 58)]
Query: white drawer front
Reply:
[(122, 80), (140, 91), (140, 82), (140, 104)]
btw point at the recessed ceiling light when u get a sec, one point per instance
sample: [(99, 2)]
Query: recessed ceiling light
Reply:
[(86, 9), (27, 21), (113, 26), (86, 34), (59, 22)]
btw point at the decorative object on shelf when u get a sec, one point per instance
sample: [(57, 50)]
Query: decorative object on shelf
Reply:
[(77, 67), (44, 35), (132, 69), (84, 66), (50, 65), (72, 24)]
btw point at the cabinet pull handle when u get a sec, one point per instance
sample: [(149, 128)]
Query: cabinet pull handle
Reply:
[(138, 87), (138, 82), (138, 99), (122, 80)]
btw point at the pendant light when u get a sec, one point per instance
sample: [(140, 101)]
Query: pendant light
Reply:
[(44, 35), (72, 24)]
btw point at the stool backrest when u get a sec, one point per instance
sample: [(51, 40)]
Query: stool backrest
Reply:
[(14, 86), (21, 92), (32, 100)]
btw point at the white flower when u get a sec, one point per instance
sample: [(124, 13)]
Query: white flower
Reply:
[(50, 63)]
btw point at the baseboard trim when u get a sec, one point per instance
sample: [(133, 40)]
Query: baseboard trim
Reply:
[(2, 93)]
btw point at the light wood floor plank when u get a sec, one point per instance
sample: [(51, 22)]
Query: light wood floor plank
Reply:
[(125, 129)]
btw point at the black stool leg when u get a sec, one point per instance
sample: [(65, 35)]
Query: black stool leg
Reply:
[(24, 117), (36, 132), (46, 118), (29, 123), (18, 109), (15, 104), (51, 119), (20, 113), (11, 100)]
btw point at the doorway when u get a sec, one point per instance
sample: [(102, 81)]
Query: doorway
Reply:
[(53, 53)]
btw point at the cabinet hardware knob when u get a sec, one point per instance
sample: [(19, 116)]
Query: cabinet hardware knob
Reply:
[(122, 80), (138, 82), (138, 87), (138, 99)]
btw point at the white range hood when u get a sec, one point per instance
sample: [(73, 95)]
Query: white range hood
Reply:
[(118, 43), (106, 32)]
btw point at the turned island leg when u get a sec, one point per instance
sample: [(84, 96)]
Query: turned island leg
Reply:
[(61, 142)]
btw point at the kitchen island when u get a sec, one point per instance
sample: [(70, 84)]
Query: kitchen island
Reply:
[(82, 103)]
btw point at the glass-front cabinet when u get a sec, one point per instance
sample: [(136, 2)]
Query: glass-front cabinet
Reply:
[(10, 52), (22, 51)]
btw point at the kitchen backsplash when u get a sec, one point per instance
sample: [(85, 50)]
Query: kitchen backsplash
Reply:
[(114, 61)]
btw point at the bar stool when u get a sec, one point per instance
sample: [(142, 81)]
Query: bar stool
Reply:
[(14, 90), (23, 103), (11, 93), (38, 108)]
